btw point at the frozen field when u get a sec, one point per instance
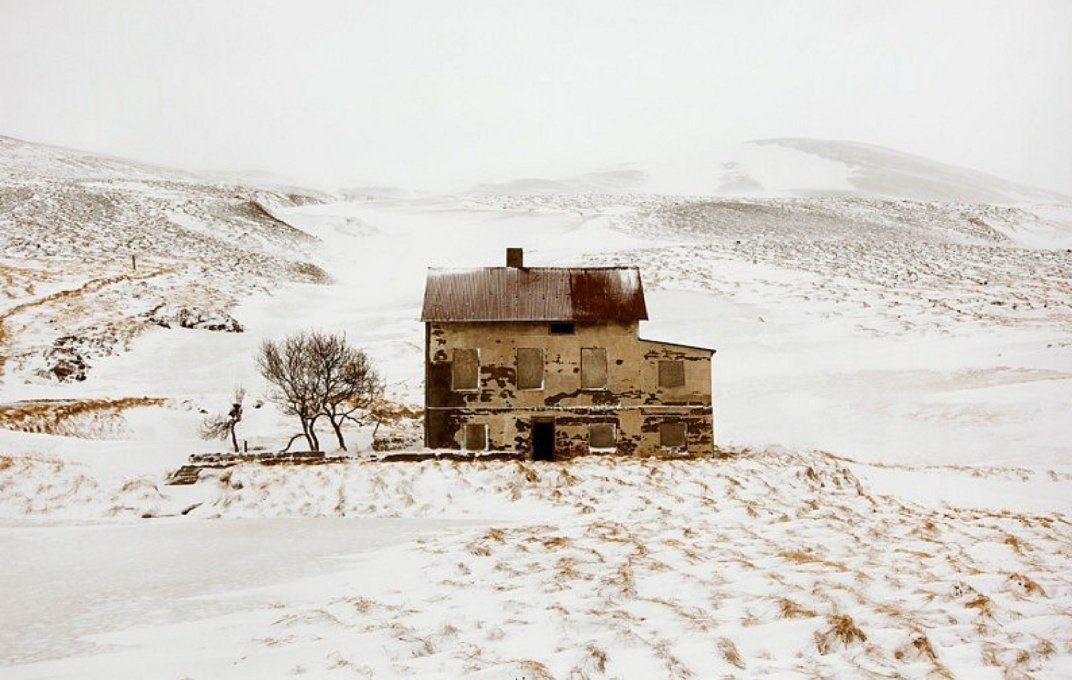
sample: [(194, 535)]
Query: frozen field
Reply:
[(65, 583)]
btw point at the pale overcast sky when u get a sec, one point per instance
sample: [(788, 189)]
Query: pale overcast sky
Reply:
[(441, 94)]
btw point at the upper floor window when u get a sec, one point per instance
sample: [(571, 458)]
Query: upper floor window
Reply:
[(593, 368), (465, 369), (671, 373), (529, 368), (561, 328)]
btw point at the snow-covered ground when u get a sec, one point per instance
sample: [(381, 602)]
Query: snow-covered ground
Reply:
[(926, 346)]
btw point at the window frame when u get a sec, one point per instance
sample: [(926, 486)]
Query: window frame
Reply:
[(606, 370), (453, 373), (684, 435), (659, 368), (543, 368), (613, 434), (465, 437)]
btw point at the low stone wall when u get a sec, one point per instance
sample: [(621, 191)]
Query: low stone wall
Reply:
[(189, 473), (410, 456), (264, 458)]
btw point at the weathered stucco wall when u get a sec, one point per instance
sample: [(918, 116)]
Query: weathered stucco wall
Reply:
[(632, 399)]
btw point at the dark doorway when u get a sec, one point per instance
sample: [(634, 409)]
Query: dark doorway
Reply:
[(543, 440)]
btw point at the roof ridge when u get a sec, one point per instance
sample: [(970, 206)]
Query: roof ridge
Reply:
[(534, 293)]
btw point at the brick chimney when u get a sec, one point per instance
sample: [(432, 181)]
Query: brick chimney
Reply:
[(515, 257)]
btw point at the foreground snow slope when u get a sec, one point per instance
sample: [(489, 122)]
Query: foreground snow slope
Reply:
[(761, 564)]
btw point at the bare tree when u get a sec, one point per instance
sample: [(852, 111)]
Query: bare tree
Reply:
[(318, 375), (287, 364), (350, 384), (222, 426)]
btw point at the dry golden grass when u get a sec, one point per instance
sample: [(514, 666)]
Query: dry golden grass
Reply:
[(983, 603), (1026, 584), (50, 417), (842, 629), (1014, 543), (805, 557), (788, 609), (729, 652)]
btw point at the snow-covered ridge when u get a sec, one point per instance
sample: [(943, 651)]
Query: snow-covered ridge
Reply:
[(791, 167)]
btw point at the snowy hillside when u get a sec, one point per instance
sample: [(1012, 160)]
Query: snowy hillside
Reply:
[(793, 167), (892, 389), (70, 224)]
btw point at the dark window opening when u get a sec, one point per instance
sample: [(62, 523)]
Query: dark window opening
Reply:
[(561, 328), (601, 436), (672, 435), (671, 373), (465, 369)]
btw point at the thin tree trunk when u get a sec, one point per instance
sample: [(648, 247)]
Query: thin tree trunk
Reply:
[(234, 438), (337, 426), (314, 441)]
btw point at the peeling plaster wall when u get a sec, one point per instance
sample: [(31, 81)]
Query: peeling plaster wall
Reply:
[(633, 400)]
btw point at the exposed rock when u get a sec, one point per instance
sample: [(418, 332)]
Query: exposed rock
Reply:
[(64, 361), (195, 317), (397, 441)]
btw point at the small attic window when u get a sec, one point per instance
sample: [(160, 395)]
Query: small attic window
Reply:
[(561, 328)]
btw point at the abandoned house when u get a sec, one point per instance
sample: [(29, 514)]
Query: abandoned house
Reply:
[(548, 362)]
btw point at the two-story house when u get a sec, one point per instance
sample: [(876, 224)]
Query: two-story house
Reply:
[(548, 362)]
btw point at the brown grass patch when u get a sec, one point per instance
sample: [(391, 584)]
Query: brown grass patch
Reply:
[(842, 629), (1026, 584), (805, 557), (983, 603), (788, 609), (730, 653), (1014, 543), (50, 417)]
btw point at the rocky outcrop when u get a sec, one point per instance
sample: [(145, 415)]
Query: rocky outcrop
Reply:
[(195, 317)]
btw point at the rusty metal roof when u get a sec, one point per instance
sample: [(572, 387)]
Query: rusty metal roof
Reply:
[(534, 294)]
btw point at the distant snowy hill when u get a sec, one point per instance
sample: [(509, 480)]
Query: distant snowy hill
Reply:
[(782, 168)]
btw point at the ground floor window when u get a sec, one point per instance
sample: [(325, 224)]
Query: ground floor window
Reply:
[(672, 435), (602, 436), (476, 437)]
